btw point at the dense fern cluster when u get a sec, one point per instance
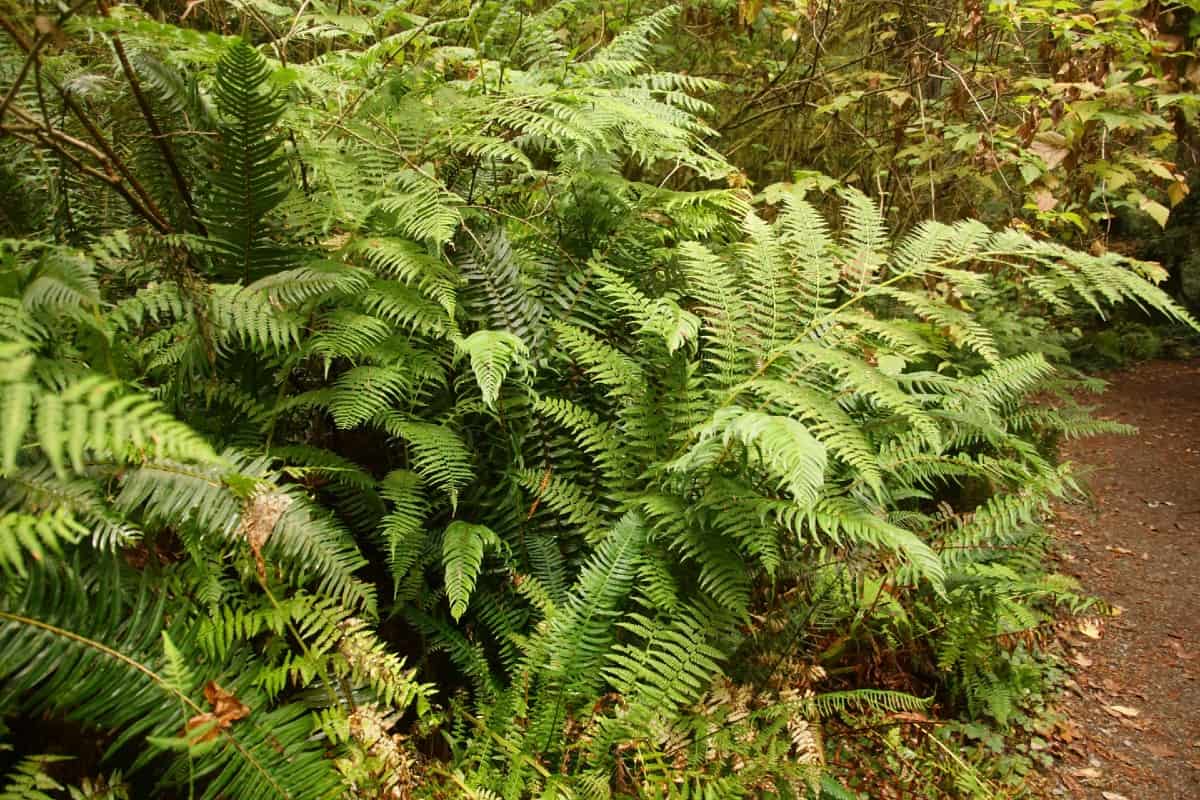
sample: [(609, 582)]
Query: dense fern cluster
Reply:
[(418, 420)]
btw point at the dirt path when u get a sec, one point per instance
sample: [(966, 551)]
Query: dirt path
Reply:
[(1133, 728)]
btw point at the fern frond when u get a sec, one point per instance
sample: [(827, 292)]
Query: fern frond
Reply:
[(662, 317), (411, 263), (252, 319), (69, 634), (317, 279), (35, 536), (604, 362), (436, 452), (421, 208), (92, 416), (492, 354), (252, 177), (402, 530), (462, 555), (578, 636), (671, 667)]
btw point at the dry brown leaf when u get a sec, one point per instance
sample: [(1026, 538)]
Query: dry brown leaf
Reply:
[(199, 721), (1045, 200), (259, 517), (1087, 773), (226, 706), (1180, 653), (1161, 750), (1067, 731), (1122, 711), (1113, 796), (227, 709), (1090, 629), (1051, 147)]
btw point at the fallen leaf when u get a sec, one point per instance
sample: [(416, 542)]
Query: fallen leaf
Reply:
[(1113, 796), (1081, 660), (1160, 750), (1122, 711), (1087, 773), (1067, 731), (1180, 653), (259, 518), (1045, 200), (1090, 629)]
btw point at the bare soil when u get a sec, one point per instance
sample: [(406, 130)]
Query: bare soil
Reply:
[(1132, 712)]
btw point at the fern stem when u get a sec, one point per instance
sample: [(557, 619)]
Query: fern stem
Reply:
[(321, 668)]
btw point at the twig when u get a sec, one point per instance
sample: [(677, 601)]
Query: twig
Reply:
[(148, 208), (156, 133), (770, 85), (40, 136), (31, 55), (30, 58), (358, 98)]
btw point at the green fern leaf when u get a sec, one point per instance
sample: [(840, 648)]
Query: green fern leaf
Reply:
[(463, 545), (492, 354)]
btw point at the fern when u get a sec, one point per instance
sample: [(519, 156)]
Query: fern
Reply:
[(29, 779), (437, 453), (470, 317), (671, 669), (492, 355), (88, 417), (53, 662), (251, 177), (38, 537), (420, 208), (576, 637), (463, 545)]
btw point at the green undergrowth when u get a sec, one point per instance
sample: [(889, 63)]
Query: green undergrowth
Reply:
[(409, 405)]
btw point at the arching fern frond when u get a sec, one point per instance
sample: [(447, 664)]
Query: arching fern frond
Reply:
[(69, 635), (93, 416), (492, 355), (463, 545)]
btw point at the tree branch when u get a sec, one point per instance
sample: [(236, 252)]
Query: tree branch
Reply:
[(156, 133), (146, 202), (30, 58)]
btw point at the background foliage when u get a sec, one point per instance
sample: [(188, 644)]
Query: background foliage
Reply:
[(551, 400)]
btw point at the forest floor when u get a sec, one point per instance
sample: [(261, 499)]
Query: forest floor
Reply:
[(1131, 727)]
